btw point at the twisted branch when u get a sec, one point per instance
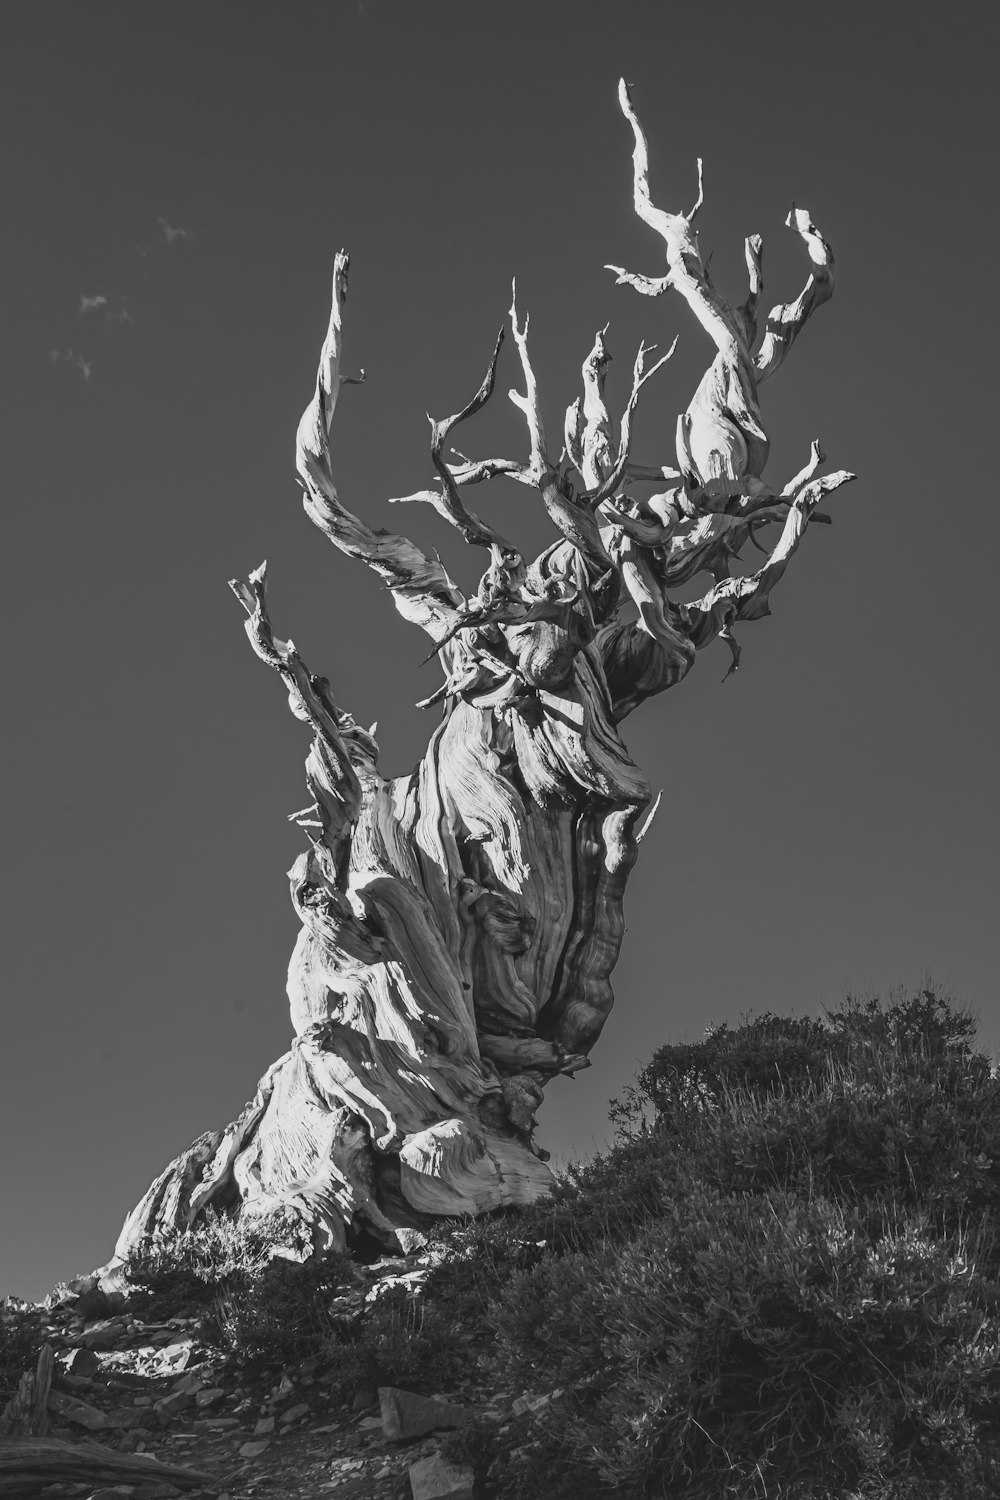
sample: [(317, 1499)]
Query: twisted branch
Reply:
[(786, 320), (447, 501), (421, 588), (341, 755)]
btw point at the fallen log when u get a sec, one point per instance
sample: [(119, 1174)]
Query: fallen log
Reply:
[(27, 1463)]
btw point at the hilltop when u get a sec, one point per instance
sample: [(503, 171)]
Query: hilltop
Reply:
[(783, 1280)]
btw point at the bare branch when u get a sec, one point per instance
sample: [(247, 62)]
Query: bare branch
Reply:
[(528, 403), (753, 248), (746, 598), (809, 471), (574, 520), (336, 756), (449, 503), (649, 286), (685, 270), (786, 321), (421, 588), (596, 438), (639, 377), (474, 471), (699, 201), (573, 434)]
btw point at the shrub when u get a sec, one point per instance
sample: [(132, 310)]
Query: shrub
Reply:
[(257, 1304), (785, 1283), (741, 1344)]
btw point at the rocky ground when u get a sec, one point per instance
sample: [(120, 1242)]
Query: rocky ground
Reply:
[(158, 1391)]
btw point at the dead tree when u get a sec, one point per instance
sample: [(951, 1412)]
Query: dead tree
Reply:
[(460, 925)]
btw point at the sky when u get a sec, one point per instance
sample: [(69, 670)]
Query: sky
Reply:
[(176, 180)]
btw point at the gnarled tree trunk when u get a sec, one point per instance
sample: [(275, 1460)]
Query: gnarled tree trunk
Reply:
[(460, 925)]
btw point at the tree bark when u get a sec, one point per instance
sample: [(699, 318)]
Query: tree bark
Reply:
[(460, 925)]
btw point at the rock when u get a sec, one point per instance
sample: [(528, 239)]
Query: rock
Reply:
[(80, 1285), (346, 1468), (82, 1362), (178, 1355), (410, 1240), (209, 1396), (94, 1303), (435, 1478), (115, 1492), (156, 1489), (264, 1426), (254, 1448), (171, 1406), (106, 1333), (188, 1385), (405, 1415), (300, 1409), (129, 1380), (80, 1413), (128, 1418)]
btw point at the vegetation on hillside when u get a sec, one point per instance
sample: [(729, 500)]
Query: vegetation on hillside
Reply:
[(782, 1281)]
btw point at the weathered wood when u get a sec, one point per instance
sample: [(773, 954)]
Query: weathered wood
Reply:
[(459, 926), (28, 1463), (26, 1413)]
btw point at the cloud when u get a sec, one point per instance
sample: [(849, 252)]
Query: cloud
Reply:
[(67, 356), (171, 232), (91, 304)]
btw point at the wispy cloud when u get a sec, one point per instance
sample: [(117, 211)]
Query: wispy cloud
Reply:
[(67, 356), (172, 232), (113, 310)]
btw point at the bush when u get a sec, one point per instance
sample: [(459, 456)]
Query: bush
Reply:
[(785, 1283), (257, 1304), (745, 1343)]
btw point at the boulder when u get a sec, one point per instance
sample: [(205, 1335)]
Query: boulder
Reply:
[(81, 1362), (405, 1415), (293, 1413), (80, 1413), (434, 1478)]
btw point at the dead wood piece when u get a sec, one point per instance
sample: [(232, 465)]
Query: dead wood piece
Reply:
[(27, 1463), (26, 1413)]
